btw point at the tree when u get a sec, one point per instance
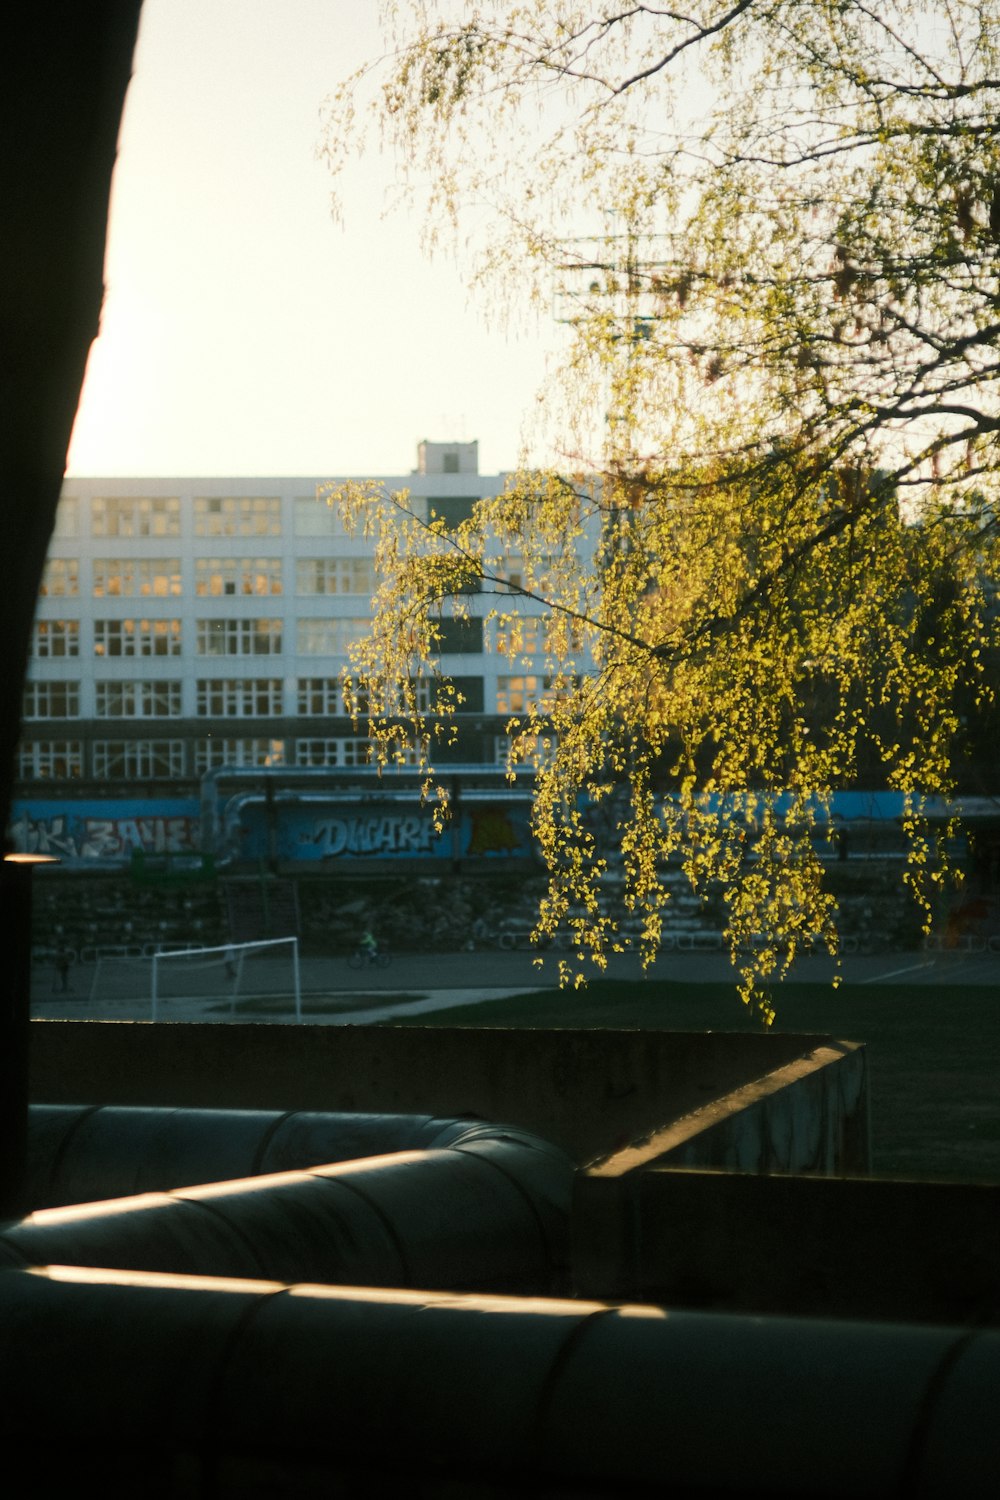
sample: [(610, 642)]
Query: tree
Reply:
[(769, 549)]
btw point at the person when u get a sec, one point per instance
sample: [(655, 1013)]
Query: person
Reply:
[(63, 959), (368, 945)]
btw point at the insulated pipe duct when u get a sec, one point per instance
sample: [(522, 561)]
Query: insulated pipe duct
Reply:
[(489, 1213), (79, 1153), (238, 1388)]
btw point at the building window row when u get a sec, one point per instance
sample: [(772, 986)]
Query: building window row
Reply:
[(215, 577), (50, 760), (230, 637), (237, 515), (141, 516), (212, 753), (127, 698), (334, 575), (345, 751), (56, 638), (136, 637), (222, 577), (60, 578), (249, 697), (142, 577), (330, 637), (115, 760), (51, 700)]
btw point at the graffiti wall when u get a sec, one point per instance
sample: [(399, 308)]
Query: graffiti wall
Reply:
[(83, 833), (337, 833)]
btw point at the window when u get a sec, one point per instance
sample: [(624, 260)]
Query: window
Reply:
[(468, 694), (318, 697), (334, 575), (124, 699), (516, 695), (119, 760), (316, 518), (50, 760), (330, 637), (51, 700), (137, 637), (530, 749), (208, 754), (451, 509), (60, 578), (521, 635), (459, 637), (144, 577), (239, 637), (222, 577), (239, 697), (56, 638), (143, 516), (510, 569), (237, 515), (67, 517), (333, 752)]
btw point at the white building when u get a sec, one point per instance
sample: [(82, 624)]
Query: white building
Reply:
[(186, 624)]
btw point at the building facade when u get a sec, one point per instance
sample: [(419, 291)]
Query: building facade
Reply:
[(189, 624)]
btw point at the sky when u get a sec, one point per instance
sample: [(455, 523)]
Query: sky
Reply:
[(244, 331)]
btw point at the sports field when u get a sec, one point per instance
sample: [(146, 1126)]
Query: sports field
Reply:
[(933, 1051)]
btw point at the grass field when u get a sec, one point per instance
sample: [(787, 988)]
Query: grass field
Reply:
[(933, 1052)]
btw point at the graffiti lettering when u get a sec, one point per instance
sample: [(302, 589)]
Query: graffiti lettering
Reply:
[(393, 833), (104, 838)]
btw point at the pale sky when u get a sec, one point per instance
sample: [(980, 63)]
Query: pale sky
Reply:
[(244, 331)]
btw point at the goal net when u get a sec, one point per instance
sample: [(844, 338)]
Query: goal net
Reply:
[(229, 973)]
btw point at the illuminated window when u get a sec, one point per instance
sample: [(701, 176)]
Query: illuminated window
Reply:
[(237, 515), (143, 516), (221, 577), (137, 637), (517, 695), (239, 637), (209, 754), (50, 760), (119, 760), (60, 578), (239, 697), (142, 577), (334, 575), (56, 638), (125, 699), (51, 700), (522, 635)]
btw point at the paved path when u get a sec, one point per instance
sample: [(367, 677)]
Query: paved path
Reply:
[(425, 982)]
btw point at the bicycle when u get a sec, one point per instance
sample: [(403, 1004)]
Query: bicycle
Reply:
[(371, 958)]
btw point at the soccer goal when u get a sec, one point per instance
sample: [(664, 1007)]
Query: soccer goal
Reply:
[(267, 971)]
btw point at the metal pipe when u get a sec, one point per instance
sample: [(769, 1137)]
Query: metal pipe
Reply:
[(241, 1387), (488, 1214), (80, 1153)]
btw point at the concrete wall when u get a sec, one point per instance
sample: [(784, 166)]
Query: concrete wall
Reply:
[(796, 1246), (591, 1092)]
